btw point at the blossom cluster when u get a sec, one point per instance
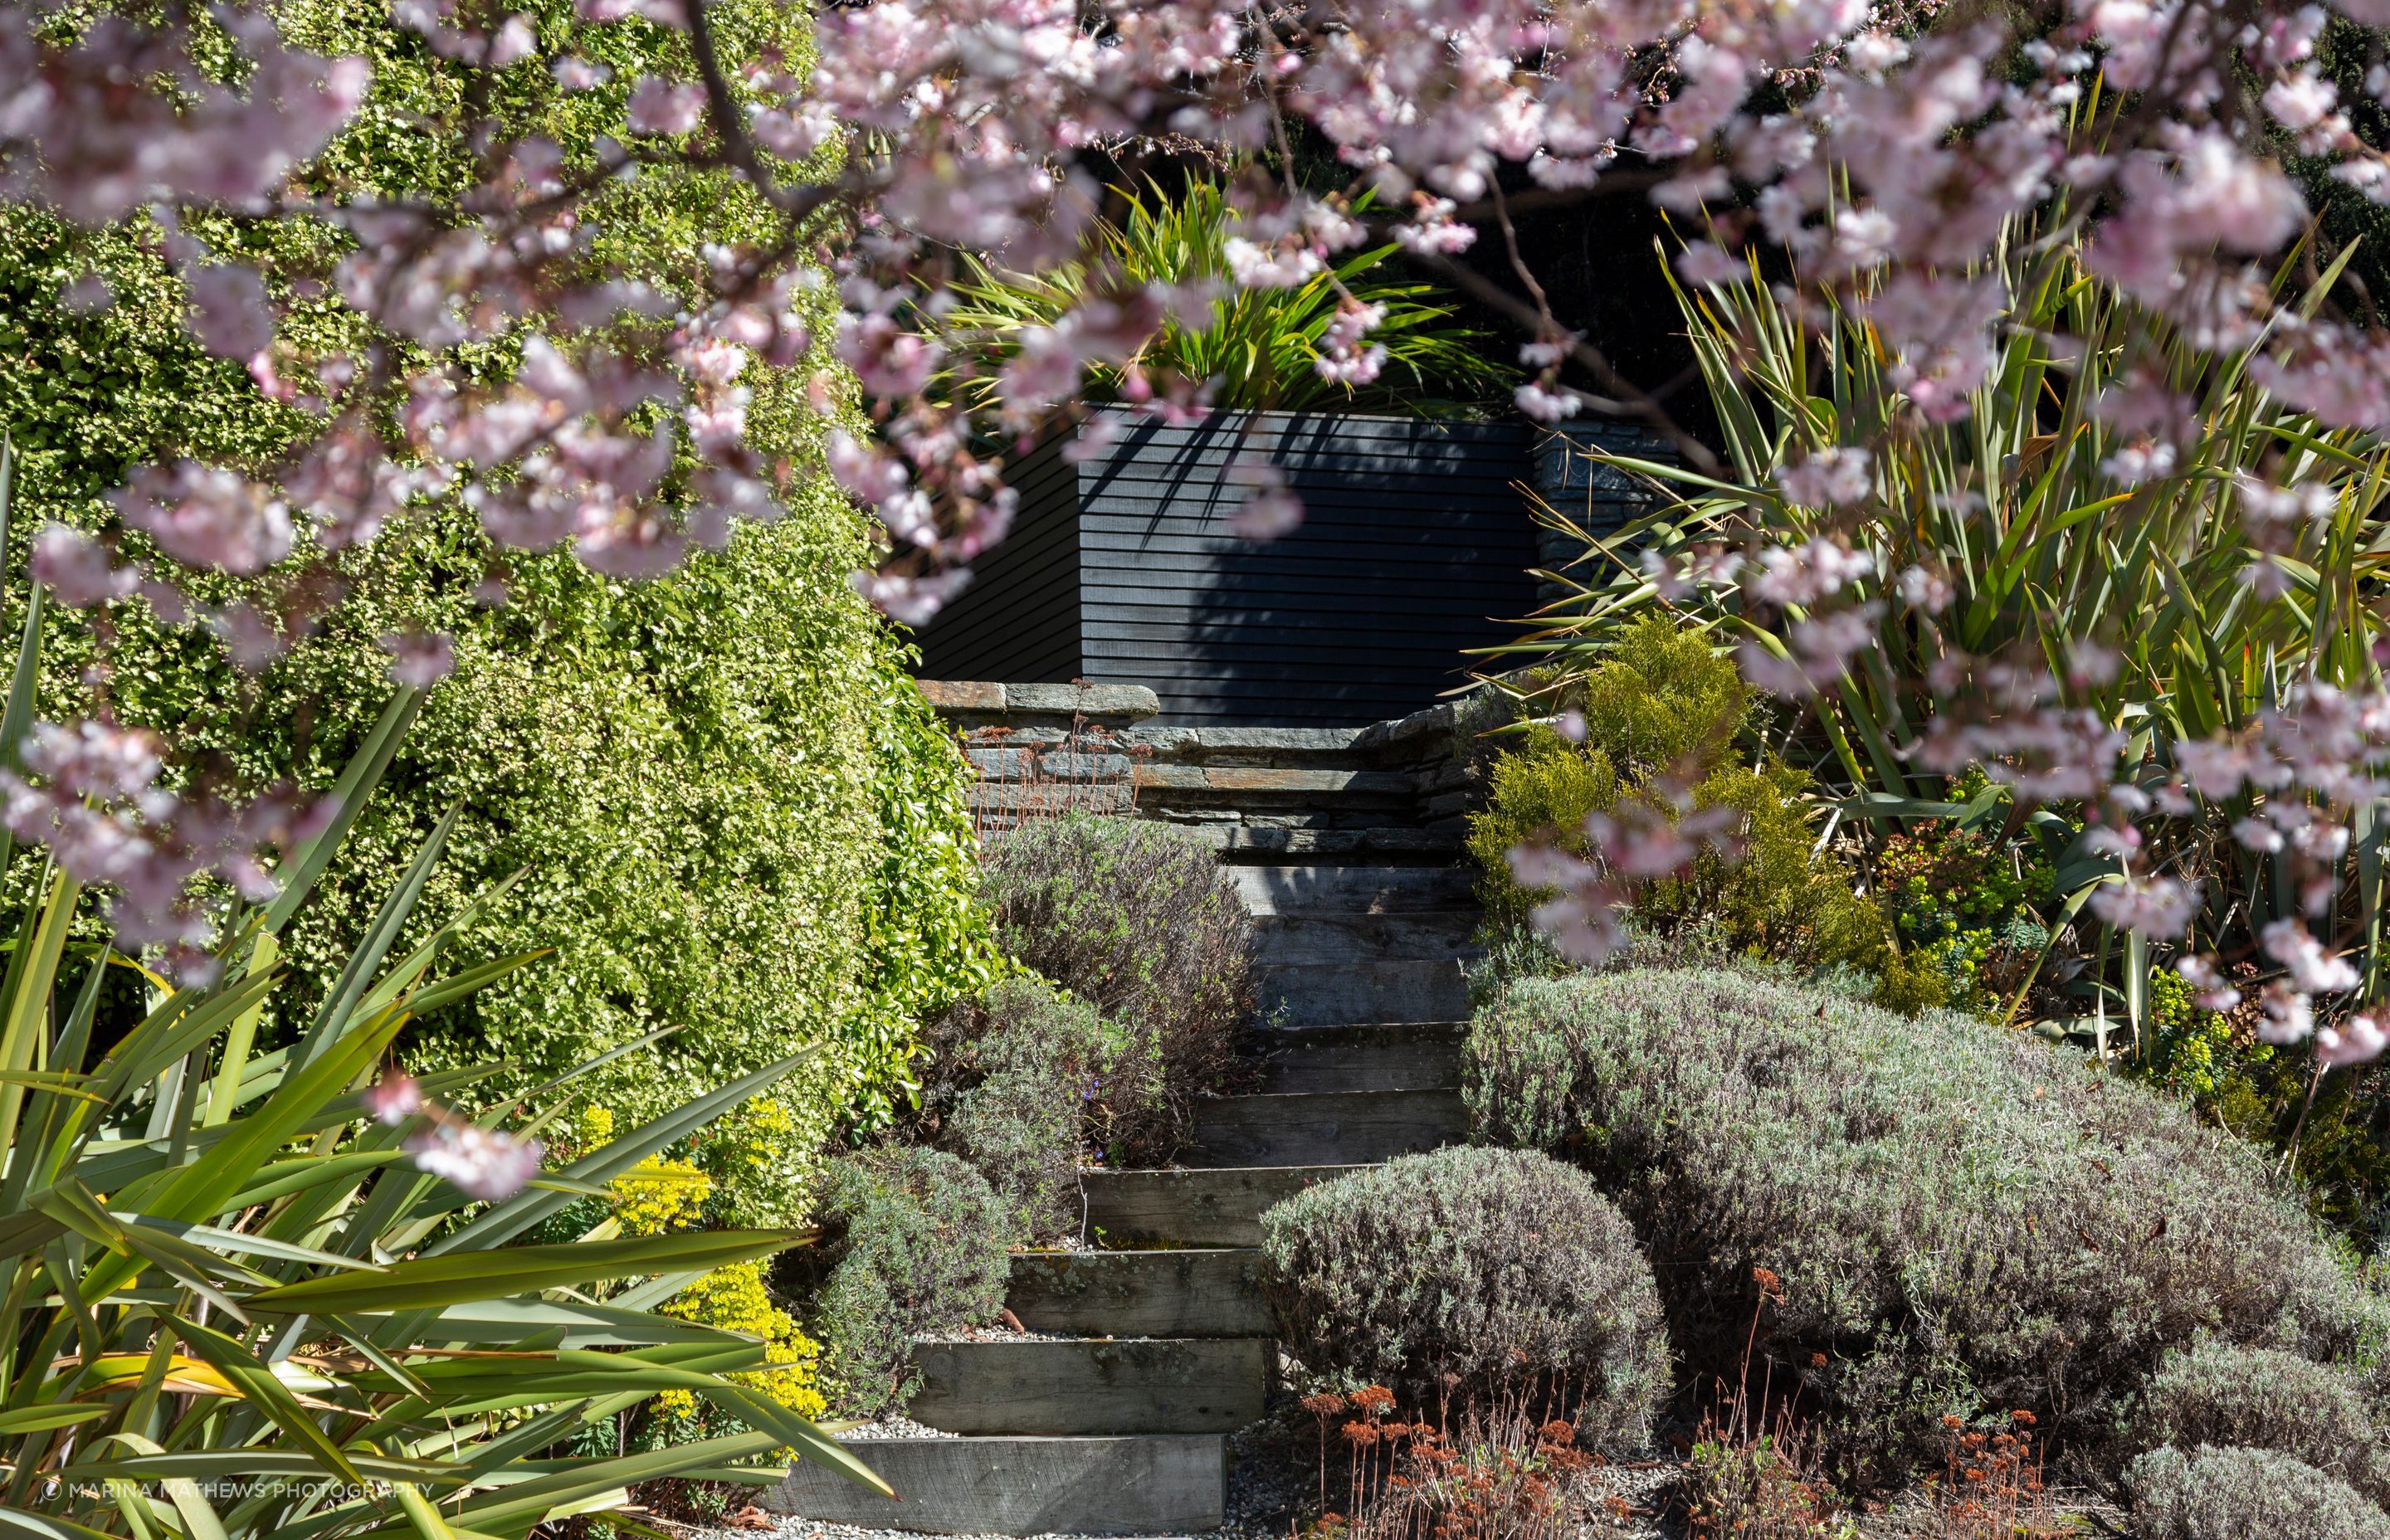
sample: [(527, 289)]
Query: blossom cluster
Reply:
[(486, 1164), (90, 793)]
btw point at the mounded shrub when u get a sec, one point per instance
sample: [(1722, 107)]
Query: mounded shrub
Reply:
[(1137, 919), (2230, 1494), (2217, 1393), (1501, 1267), (914, 1240), (1964, 1221), (1016, 1072)]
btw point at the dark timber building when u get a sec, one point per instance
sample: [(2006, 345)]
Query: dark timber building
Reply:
[(1416, 545)]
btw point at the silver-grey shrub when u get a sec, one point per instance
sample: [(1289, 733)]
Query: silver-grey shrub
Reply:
[(913, 1241), (1014, 1082), (2221, 1393), (1136, 919), (2232, 1493), (1502, 1269), (1964, 1220)]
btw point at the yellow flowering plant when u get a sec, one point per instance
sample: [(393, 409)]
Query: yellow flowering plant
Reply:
[(663, 1194)]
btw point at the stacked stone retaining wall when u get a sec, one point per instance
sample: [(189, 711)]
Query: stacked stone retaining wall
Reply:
[(1399, 789)]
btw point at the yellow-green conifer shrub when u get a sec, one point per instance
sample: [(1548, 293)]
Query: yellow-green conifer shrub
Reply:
[(1666, 701)]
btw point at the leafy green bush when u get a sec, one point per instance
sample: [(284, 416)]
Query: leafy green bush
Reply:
[(1664, 700), (2213, 1493), (1138, 920), (1964, 1221), (2263, 1398), (1016, 1072), (914, 1240), (1472, 1272), (737, 816)]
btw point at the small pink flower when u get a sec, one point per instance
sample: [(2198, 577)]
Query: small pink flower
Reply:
[(418, 659), (78, 568), (481, 1163), (2355, 1041), (393, 1099)]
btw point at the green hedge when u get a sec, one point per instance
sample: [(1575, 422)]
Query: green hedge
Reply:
[(737, 815)]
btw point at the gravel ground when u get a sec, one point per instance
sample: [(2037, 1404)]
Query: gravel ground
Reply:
[(894, 1427), (1006, 1334)]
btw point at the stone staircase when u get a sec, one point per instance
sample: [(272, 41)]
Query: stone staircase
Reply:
[(1145, 1351)]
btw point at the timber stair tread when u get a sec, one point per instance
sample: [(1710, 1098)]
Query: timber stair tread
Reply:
[(1217, 1207), (1092, 1384), (1316, 1127), (1177, 1293), (1379, 1056)]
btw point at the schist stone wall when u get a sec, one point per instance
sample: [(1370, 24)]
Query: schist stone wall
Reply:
[(1397, 789)]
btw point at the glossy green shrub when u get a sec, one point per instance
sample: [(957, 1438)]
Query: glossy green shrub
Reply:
[(1137, 919), (1463, 1273), (914, 1240), (736, 816), (2263, 1398), (1964, 1221), (1015, 1078), (2212, 1494)]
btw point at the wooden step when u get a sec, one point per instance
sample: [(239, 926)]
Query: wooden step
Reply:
[(1386, 1056), (1342, 1128), (1122, 1385), (1193, 1208), (1156, 1484), (1361, 887), (1338, 940), (1330, 994), (1189, 1293)]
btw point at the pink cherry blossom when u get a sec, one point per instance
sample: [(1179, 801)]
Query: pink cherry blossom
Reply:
[(2357, 1040), (206, 516), (229, 309), (418, 659), (660, 107), (78, 568), (484, 1163), (393, 1099)]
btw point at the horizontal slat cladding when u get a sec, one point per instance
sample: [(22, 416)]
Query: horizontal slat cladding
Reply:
[(1413, 548), (1019, 619)]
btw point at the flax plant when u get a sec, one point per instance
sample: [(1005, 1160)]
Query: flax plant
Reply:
[(233, 1306), (2038, 521)]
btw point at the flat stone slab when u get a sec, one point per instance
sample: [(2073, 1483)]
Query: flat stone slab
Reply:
[(1194, 1208), (1167, 1483), (1414, 1055), (1337, 1127), (1273, 783), (1238, 842), (1188, 1293), (1129, 1385)]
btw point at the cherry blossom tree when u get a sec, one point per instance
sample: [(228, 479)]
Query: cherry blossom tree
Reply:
[(1889, 144)]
